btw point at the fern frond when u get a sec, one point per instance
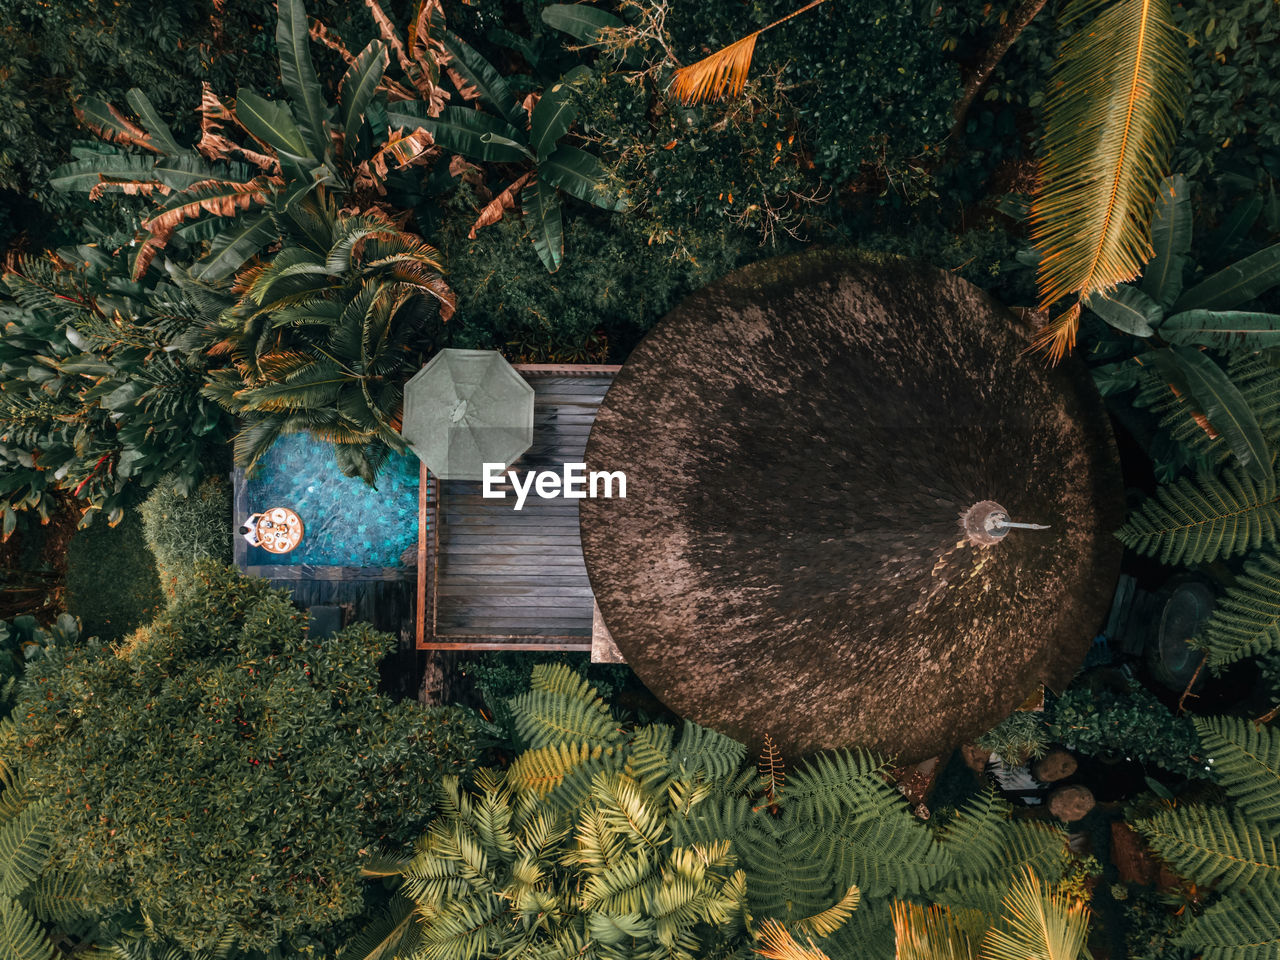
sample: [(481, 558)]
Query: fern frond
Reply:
[(1200, 521), (1241, 926), (777, 943), (393, 934), (21, 938), (1210, 845), (1246, 761), (724, 72), (24, 847), (1246, 621), (561, 707), (1111, 118)]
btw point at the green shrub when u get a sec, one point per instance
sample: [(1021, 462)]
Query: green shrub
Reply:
[(182, 529), (612, 284), (1127, 724), (222, 771)]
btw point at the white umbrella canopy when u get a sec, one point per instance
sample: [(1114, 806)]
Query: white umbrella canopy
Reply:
[(464, 409)]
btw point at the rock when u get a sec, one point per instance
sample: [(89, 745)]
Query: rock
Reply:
[(1053, 766), (975, 758), (1071, 803)]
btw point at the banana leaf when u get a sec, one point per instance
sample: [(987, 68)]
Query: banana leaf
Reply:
[(473, 134), (1234, 285), (1214, 395), (271, 123), (235, 245), (554, 113), (88, 173), (1171, 239), (160, 133), (360, 83), (1227, 330), (477, 72), (1128, 309), (581, 175), (541, 207), (582, 22), (298, 74)]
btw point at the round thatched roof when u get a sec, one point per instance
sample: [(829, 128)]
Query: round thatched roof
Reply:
[(801, 441)]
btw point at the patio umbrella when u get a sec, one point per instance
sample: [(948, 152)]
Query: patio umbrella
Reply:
[(464, 409), (825, 455)]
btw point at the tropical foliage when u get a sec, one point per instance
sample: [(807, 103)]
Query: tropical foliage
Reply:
[(528, 133), (326, 333), (1230, 847), (96, 395), (604, 838), (223, 191), (1111, 116), (216, 778)]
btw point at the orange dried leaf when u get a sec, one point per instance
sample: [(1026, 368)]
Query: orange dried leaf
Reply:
[(496, 208)]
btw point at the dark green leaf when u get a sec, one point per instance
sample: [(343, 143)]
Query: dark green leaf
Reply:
[(1127, 309), (359, 85), (473, 134), (581, 21), (161, 135), (88, 173), (1226, 410), (554, 114), (1236, 224), (581, 175), (1171, 238), (231, 248), (476, 71), (542, 219), (1234, 285), (1226, 330), (298, 73), (272, 123)]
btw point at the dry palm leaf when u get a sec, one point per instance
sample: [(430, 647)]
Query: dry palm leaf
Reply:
[(1112, 110), (724, 73), (931, 933), (496, 208), (832, 919), (777, 943), (221, 198), (132, 188), (321, 34)]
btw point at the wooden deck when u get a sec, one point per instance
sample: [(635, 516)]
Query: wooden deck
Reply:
[(493, 578)]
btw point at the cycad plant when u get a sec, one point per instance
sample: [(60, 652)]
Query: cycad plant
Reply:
[(1111, 116), (255, 154), (327, 332), (1230, 848)]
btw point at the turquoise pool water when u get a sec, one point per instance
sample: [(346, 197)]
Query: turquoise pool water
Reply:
[(346, 522)]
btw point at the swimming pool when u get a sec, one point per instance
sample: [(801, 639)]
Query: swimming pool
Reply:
[(346, 522)]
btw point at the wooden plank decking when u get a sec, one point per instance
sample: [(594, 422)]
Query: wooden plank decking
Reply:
[(493, 578)]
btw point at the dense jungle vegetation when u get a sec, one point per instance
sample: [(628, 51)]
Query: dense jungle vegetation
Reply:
[(225, 221)]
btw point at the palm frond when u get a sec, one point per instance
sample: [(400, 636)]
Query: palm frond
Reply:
[(724, 73), (777, 943), (1037, 922), (931, 933), (1115, 100)]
